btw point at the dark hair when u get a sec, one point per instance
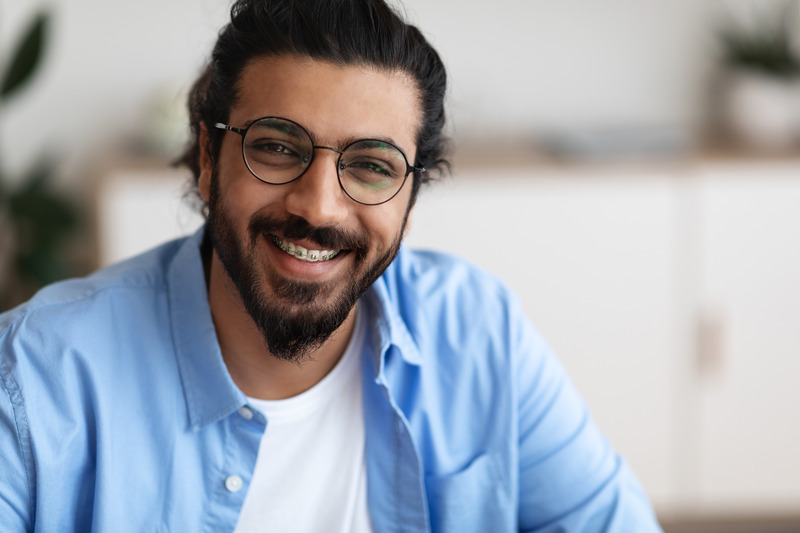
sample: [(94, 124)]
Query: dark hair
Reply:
[(343, 32)]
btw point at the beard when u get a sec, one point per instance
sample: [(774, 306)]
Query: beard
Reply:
[(299, 316)]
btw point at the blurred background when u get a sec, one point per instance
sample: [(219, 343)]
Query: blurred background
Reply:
[(631, 168)]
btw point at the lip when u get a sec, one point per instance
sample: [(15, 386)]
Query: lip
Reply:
[(295, 268)]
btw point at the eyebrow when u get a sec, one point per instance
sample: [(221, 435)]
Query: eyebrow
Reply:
[(287, 128), (347, 141)]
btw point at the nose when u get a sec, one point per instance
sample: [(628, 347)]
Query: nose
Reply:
[(317, 196)]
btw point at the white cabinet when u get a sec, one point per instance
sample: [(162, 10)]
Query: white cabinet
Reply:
[(749, 381), (139, 206)]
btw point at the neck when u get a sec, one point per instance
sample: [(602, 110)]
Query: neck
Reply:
[(256, 372)]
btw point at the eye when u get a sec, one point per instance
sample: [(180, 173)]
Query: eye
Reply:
[(372, 174), (270, 146), (370, 166), (270, 151)]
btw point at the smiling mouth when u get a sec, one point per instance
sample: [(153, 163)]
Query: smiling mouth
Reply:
[(303, 254)]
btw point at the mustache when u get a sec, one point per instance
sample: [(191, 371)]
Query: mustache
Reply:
[(298, 228)]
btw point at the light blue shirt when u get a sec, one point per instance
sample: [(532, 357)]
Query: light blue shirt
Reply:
[(117, 412)]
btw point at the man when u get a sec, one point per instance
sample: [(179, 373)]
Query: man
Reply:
[(290, 367)]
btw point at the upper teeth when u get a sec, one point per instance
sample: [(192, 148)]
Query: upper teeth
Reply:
[(311, 256)]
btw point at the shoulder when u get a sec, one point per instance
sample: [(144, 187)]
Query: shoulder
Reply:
[(85, 321), (445, 282), (89, 334), (468, 330), (438, 295), (70, 300)]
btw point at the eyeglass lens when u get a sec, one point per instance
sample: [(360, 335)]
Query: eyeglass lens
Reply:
[(279, 151)]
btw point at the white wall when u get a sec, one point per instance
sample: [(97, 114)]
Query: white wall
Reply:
[(105, 62), (571, 64), (524, 67)]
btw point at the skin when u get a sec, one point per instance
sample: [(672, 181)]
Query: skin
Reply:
[(337, 104)]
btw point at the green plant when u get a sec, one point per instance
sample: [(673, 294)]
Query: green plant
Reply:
[(766, 47), (35, 220)]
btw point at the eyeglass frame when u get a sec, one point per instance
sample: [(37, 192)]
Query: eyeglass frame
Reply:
[(243, 133)]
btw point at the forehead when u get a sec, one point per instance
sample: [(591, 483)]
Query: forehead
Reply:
[(333, 102)]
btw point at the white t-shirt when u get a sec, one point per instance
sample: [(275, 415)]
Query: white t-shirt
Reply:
[(310, 474)]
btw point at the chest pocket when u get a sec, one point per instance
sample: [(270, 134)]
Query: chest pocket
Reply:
[(475, 499)]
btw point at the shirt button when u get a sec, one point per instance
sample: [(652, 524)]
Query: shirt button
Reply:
[(245, 412), (233, 483)]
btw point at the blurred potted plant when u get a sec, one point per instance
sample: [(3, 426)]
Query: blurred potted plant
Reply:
[(761, 103), (35, 220)]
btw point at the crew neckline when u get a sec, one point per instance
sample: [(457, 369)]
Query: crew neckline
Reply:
[(335, 382)]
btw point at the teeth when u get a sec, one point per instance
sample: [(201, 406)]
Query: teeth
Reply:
[(311, 256)]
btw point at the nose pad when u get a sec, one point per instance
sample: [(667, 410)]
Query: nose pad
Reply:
[(316, 195)]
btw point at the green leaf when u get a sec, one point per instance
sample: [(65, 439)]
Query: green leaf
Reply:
[(26, 57), (43, 216)]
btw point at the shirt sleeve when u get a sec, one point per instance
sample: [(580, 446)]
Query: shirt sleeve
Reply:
[(570, 478), (16, 466)]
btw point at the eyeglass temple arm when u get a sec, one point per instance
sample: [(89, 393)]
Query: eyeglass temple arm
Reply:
[(221, 126)]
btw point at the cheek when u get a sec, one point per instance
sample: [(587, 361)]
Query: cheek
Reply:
[(236, 205), (385, 222), (242, 195)]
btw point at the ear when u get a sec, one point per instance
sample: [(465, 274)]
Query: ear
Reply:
[(206, 166)]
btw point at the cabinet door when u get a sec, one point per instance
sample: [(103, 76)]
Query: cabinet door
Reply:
[(593, 258), (749, 368), (141, 207)]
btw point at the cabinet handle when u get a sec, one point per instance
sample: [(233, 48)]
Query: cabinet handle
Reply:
[(710, 358)]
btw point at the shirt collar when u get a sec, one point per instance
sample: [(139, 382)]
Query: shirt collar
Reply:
[(384, 302), (208, 388)]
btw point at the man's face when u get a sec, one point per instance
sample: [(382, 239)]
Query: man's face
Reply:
[(296, 303)]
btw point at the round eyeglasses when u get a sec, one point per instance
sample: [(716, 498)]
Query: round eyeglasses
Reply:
[(278, 151)]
